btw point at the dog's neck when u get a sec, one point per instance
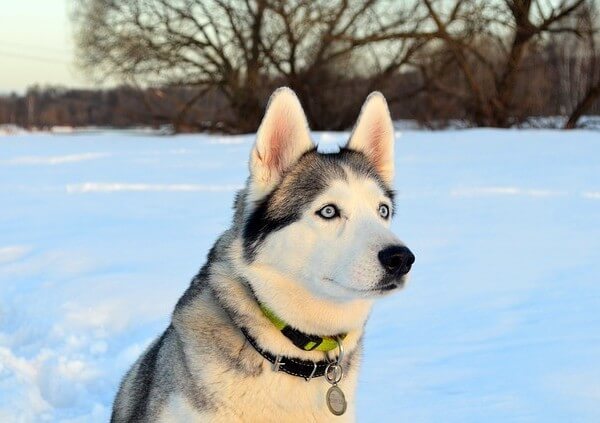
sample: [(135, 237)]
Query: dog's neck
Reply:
[(296, 305), (240, 290), (301, 309)]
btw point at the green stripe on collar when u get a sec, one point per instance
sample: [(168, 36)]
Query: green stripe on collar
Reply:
[(300, 339)]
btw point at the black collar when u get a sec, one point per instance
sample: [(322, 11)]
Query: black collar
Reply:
[(306, 369), (292, 366)]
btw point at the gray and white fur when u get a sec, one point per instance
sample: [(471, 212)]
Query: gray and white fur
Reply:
[(310, 239)]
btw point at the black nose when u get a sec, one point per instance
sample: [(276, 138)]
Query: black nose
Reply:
[(396, 259)]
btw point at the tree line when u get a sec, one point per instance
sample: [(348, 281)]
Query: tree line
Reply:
[(120, 107), (211, 64)]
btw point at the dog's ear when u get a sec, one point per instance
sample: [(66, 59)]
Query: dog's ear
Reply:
[(283, 136), (373, 135)]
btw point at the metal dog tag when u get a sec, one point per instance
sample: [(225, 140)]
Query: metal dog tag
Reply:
[(336, 401)]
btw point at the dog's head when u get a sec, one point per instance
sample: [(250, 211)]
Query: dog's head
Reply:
[(323, 220)]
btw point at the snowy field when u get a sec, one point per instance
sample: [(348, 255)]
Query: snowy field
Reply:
[(101, 233)]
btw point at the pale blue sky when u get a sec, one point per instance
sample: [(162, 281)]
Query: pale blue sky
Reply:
[(36, 45)]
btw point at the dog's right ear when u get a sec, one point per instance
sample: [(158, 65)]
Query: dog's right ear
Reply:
[(373, 135), (283, 136)]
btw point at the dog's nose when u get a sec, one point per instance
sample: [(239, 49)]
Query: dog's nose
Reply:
[(396, 259)]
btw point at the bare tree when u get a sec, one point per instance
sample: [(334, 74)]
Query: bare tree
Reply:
[(332, 50), (245, 47), (583, 64), (487, 44)]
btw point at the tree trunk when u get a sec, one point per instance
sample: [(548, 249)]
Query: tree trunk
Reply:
[(506, 84), (586, 102)]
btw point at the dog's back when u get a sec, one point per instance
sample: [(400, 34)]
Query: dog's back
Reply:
[(154, 377)]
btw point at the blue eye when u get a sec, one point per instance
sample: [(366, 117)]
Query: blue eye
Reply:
[(329, 211), (384, 211)]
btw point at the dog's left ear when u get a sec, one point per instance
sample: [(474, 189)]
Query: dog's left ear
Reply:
[(283, 136), (373, 135)]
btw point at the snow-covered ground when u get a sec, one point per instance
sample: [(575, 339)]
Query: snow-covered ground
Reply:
[(101, 233)]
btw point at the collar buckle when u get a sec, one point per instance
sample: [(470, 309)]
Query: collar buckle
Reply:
[(312, 373), (277, 363)]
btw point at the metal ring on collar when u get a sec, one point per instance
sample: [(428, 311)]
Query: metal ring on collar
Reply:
[(334, 371)]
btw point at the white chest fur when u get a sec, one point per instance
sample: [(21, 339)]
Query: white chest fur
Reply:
[(268, 397)]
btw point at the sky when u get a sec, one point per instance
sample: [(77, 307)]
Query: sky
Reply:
[(36, 45)]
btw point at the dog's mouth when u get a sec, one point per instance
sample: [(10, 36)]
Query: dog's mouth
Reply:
[(390, 286), (381, 289)]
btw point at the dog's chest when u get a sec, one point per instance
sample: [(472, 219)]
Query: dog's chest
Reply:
[(268, 397)]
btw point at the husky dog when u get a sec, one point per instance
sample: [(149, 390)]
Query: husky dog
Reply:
[(270, 329)]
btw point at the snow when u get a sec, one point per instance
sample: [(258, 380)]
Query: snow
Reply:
[(113, 187), (102, 232), (54, 160), (9, 129)]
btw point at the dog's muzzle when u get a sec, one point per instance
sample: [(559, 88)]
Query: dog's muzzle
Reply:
[(396, 260)]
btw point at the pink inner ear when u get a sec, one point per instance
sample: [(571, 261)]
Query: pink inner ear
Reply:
[(378, 133), (277, 147), (280, 143)]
